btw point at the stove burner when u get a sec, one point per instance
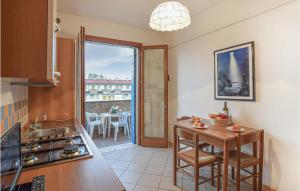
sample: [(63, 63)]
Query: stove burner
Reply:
[(70, 141), (29, 158), (33, 146), (70, 151)]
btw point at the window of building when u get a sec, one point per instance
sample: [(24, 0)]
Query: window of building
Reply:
[(125, 96)]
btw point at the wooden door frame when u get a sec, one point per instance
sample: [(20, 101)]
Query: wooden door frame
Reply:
[(147, 141), (82, 67), (91, 38)]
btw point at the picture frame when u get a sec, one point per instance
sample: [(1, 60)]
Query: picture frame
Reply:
[(234, 77)]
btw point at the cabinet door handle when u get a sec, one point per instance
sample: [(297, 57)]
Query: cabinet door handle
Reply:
[(57, 74), (56, 27)]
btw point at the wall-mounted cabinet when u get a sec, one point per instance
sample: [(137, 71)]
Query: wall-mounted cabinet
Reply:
[(28, 41), (58, 102)]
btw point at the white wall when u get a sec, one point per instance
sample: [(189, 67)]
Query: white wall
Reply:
[(274, 30), (70, 24)]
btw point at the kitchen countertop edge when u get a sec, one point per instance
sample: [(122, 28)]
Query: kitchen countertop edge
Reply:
[(85, 174)]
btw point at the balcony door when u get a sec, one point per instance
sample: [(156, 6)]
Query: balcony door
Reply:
[(154, 96)]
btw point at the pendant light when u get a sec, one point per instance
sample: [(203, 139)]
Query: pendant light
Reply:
[(170, 16)]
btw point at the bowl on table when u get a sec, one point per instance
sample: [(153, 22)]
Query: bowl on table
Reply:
[(221, 120)]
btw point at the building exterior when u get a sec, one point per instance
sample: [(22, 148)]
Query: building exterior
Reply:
[(107, 90)]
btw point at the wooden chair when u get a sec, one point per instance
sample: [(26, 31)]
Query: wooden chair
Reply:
[(242, 161), (183, 143), (193, 157)]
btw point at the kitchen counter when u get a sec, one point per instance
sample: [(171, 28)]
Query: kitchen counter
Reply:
[(91, 174)]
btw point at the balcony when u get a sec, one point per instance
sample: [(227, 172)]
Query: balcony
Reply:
[(104, 107)]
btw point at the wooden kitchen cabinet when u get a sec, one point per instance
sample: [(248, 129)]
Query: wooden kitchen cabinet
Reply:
[(58, 103), (28, 39)]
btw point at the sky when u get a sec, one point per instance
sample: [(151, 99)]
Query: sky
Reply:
[(109, 60)]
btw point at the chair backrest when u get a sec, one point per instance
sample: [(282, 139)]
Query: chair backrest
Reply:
[(181, 118), (102, 118), (123, 118), (250, 138), (87, 118), (257, 139), (185, 134)]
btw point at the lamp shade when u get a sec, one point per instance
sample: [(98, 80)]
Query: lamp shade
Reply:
[(170, 16)]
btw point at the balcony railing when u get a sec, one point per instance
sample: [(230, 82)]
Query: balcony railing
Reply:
[(104, 106)]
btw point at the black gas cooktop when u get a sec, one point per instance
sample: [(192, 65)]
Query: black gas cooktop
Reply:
[(52, 151)]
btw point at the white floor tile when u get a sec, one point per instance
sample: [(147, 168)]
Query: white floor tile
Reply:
[(133, 151), (110, 161), (135, 167), (120, 165), (112, 155), (141, 159), (118, 172), (149, 180), (161, 154), (188, 185), (129, 187), (157, 161), (167, 183), (169, 163), (154, 170), (168, 171), (144, 188), (130, 177), (147, 153), (125, 157)]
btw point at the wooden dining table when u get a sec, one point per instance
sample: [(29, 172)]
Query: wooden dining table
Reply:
[(218, 136)]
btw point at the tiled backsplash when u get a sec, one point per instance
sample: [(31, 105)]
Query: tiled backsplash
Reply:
[(12, 113), (14, 104)]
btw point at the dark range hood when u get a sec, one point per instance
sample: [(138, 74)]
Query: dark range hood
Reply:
[(34, 84)]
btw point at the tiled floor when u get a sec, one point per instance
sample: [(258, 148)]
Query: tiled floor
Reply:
[(150, 169)]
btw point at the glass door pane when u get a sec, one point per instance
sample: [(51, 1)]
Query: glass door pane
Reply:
[(155, 108)]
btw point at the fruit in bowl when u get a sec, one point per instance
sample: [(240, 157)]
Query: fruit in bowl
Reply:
[(196, 119), (212, 115), (236, 127), (220, 119), (198, 124), (217, 116)]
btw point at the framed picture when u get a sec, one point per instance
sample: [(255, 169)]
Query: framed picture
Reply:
[(234, 73)]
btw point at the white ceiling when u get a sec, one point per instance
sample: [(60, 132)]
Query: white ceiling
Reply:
[(129, 12)]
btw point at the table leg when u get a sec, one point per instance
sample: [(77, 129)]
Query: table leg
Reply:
[(225, 167), (175, 156), (254, 179)]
